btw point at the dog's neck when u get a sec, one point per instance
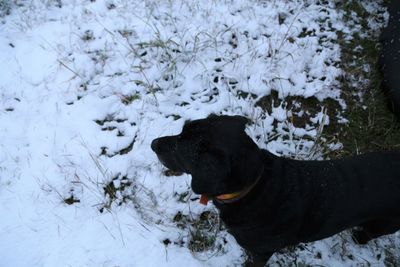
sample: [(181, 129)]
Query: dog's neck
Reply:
[(235, 196), (238, 195)]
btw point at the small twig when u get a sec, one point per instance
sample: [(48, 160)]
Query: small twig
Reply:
[(68, 68)]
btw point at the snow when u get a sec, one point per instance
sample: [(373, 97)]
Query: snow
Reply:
[(86, 87)]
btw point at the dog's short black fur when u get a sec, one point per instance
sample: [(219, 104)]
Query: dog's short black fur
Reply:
[(293, 201)]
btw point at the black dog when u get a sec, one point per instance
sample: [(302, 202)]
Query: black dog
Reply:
[(268, 202)]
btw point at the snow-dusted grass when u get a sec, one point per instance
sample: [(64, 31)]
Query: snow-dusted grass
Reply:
[(5, 7), (371, 125), (86, 86)]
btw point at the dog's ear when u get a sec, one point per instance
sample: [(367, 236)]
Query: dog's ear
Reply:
[(247, 163), (210, 173), (238, 121), (212, 116)]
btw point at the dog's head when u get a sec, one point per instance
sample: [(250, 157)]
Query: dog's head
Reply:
[(216, 151)]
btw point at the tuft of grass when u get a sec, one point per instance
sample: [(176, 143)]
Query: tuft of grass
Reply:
[(203, 230), (5, 7), (88, 36), (128, 99), (392, 259), (71, 200), (118, 191)]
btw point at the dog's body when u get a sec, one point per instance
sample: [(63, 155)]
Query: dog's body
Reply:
[(286, 201), (303, 201)]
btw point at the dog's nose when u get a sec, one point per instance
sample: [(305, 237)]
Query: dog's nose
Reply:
[(155, 144)]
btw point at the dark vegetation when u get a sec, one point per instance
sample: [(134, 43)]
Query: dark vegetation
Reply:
[(372, 126)]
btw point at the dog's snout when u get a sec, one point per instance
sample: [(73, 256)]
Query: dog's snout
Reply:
[(165, 148), (164, 144), (155, 144)]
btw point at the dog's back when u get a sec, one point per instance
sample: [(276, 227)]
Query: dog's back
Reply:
[(340, 194)]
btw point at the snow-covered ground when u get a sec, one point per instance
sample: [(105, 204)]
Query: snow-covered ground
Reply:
[(85, 86)]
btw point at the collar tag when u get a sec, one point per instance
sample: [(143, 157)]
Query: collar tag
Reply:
[(203, 200)]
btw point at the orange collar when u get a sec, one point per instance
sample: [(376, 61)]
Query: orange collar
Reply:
[(231, 197), (228, 196), (221, 198)]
